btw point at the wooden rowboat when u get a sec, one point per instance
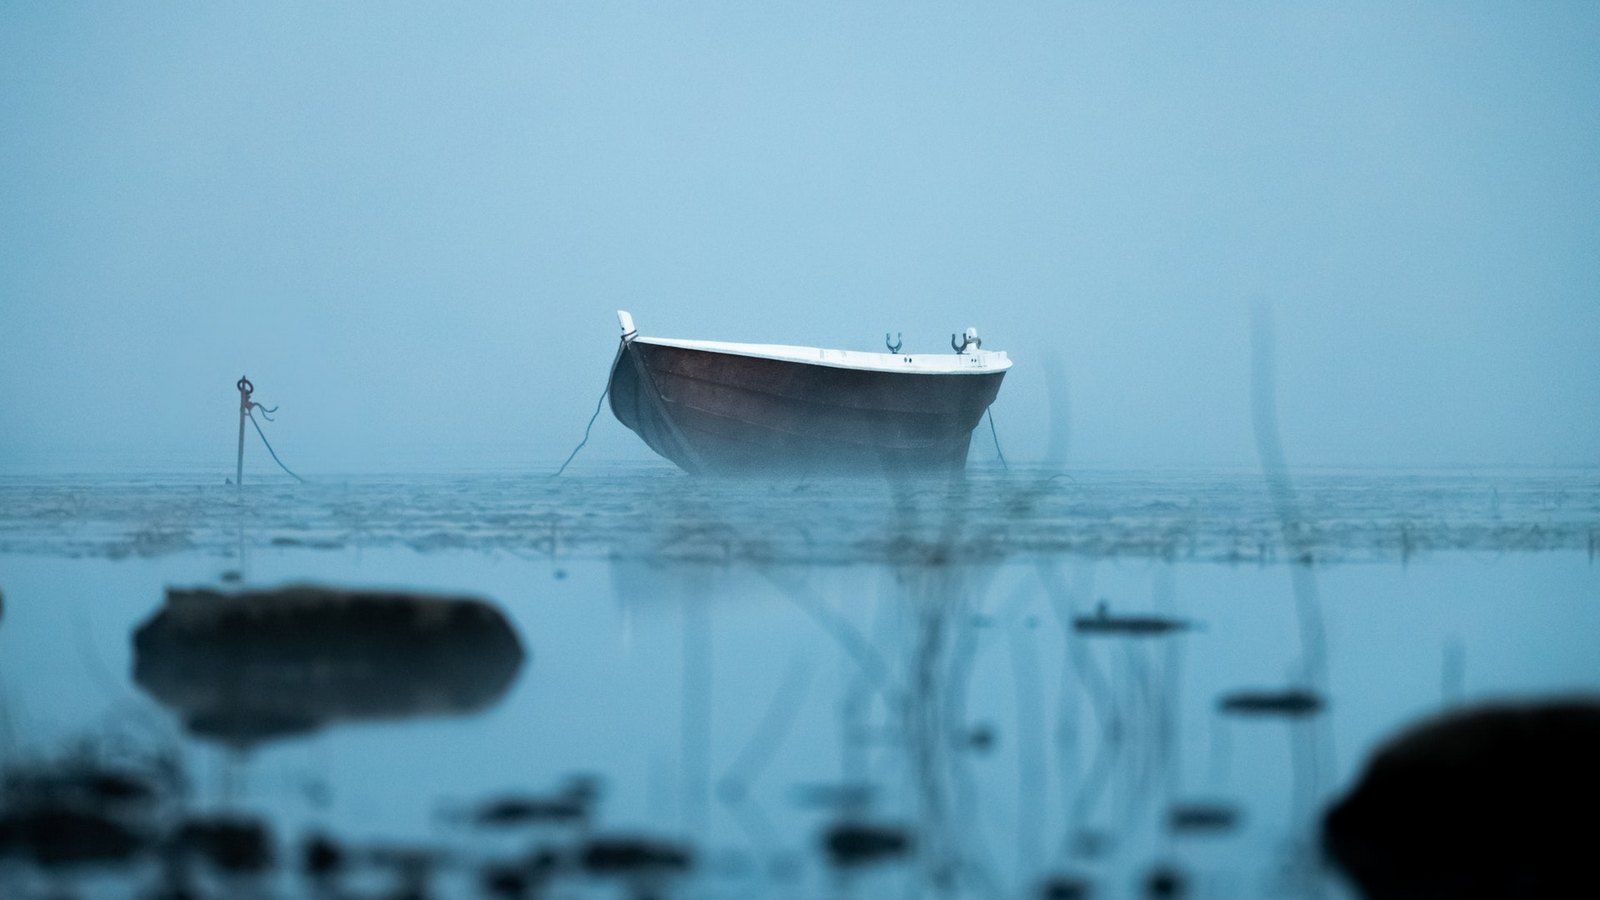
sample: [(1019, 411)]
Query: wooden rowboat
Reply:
[(719, 408)]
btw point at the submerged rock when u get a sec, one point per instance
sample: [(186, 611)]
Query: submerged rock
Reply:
[(1164, 882), (1291, 703), (851, 844), (231, 843), (1104, 623), (321, 856), (60, 836), (522, 809), (1066, 887), (84, 808), (1499, 801), (257, 665), (633, 855), (1202, 818)]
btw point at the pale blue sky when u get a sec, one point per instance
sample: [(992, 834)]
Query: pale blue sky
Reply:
[(411, 225)]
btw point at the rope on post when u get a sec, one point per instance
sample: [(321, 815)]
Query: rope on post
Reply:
[(269, 447), (247, 408)]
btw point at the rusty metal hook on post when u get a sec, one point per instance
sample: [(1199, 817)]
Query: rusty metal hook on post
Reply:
[(247, 407)]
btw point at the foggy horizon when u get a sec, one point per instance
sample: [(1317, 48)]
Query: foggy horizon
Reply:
[(411, 229)]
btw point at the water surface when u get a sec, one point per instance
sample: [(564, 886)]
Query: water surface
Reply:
[(1010, 684)]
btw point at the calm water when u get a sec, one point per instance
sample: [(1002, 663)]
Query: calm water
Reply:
[(1015, 683)]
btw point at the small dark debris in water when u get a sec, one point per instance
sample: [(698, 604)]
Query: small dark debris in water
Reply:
[(851, 844), (504, 812), (1202, 818), (284, 541), (1066, 887), (1497, 801), (231, 576), (543, 861), (626, 855), (1091, 844), (833, 796), (572, 803), (560, 574), (1105, 624), (321, 856), (981, 738), (119, 788), (80, 784), (1294, 702), (232, 844), (1165, 882), (64, 836), (507, 880)]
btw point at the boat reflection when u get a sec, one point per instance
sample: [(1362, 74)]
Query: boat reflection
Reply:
[(259, 665)]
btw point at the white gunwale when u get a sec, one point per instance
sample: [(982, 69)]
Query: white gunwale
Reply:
[(977, 362)]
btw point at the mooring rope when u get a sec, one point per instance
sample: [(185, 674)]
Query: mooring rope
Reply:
[(252, 417), (996, 435), (598, 403)]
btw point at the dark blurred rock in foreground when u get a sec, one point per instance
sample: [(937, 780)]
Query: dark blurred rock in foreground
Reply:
[(1499, 801), (261, 664)]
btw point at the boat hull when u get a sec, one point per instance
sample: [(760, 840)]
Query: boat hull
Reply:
[(727, 414)]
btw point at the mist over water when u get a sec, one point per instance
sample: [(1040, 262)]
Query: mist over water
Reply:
[(411, 228)]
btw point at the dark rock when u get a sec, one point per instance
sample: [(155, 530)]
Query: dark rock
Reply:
[(1104, 624), (510, 881), (507, 811), (1290, 703), (1498, 801), (64, 836), (852, 844), (1066, 887), (232, 844), (321, 856), (1192, 818), (118, 788), (261, 664), (625, 855), (1164, 883)]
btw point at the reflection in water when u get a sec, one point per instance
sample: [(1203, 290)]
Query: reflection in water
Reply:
[(257, 665)]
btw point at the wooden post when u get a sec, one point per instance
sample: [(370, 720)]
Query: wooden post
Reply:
[(245, 387)]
